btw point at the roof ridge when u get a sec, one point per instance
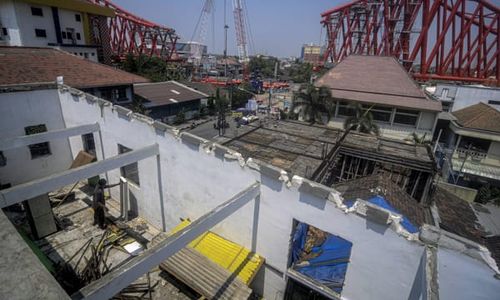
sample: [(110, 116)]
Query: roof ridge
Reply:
[(97, 63), (481, 113)]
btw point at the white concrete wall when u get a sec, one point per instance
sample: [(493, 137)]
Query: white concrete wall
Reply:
[(27, 24), (463, 96), (67, 20), (84, 52), (427, 121), (462, 277), (194, 182), (8, 20), (21, 109)]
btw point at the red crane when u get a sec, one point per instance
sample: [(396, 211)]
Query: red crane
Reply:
[(434, 39), (126, 34)]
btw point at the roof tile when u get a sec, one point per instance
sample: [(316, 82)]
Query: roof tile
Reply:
[(30, 64)]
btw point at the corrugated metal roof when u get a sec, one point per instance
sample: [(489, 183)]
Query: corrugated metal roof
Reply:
[(231, 256), (168, 92)]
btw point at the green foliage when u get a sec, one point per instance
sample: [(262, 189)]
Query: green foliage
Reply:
[(138, 106), (239, 97), (419, 140), (301, 72), (203, 111), (488, 193), (180, 118), (264, 66), (211, 105), (314, 103), (153, 68), (362, 120)]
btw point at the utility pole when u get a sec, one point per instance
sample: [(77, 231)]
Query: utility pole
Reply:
[(225, 40)]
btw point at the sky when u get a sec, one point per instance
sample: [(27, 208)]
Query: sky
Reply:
[(279, 27)]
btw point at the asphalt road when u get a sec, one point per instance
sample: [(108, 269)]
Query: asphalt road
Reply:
[(207, 131)]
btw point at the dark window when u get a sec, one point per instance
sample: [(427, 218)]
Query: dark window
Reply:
[(40, 149), (494, 102), (345, 110), (130, 172), (3, 160), (36, 11), (93, 54), (78, 36), (379, 113), (40, 33), (406, 117), (4, 31), (63, 34), (86, 55), (120, 94), (78, 18), (89, 143)]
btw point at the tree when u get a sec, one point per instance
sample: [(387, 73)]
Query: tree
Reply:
[(153, 68), (419, 140), (301, 72), (180, 117), (361, 120), (314, 102)]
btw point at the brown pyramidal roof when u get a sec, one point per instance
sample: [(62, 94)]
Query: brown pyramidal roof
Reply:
[(376, 80), (36, 64), (479, 116)]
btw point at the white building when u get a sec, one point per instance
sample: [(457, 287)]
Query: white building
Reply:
[(182, 176), (62, 24), (456, 97), (398, 105)]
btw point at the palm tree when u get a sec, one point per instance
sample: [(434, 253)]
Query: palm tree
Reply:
[(315, 103), (361, 121), (416, 139)]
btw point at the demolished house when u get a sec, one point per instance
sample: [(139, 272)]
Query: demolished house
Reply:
[(224, 224)]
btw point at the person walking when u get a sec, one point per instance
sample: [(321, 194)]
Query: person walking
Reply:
[(99, 202)]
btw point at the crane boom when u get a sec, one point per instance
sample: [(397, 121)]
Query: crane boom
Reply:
[(239, 25)]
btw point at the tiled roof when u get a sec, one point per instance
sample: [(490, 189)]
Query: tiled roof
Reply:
[(479, 116), (168, 92), (380, 184), (376, 80), (457, 215), (30, 64)]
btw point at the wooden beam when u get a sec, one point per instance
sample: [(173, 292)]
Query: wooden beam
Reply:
[(26, 140), (50, 183), (111, 284)]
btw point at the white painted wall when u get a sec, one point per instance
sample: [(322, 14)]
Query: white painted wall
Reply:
[(27, 24), (8, 20), (195, 182), (463, 96), (84, 52), (18, 110), (462, 277), (67, 20), (427, 120)]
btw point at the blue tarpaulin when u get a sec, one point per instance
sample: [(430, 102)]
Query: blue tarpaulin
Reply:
[(380, 201), (329, 266)]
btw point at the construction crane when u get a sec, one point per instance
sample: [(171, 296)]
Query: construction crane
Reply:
[(455, 40), (200, 33), (239, 26)]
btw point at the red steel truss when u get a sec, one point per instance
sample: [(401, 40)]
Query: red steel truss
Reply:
[(434, 39), (130, 34)]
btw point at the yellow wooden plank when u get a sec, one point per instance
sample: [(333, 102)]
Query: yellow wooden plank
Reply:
[(231, 256)]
